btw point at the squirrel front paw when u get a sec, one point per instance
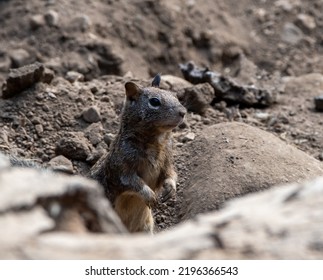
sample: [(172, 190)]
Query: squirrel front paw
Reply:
[(148, 195), (169, 190)]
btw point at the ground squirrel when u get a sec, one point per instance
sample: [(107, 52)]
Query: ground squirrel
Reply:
[(140, 161)]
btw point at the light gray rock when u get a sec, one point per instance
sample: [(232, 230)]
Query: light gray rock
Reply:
[(281, 223), (61, 163), (36, 201), (291, 33), (36, 21), (19, 57), (233, 159)]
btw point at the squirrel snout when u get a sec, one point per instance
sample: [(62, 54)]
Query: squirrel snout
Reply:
[(182, 112)]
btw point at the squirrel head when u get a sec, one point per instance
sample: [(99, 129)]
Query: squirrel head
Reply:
[(151, 108)]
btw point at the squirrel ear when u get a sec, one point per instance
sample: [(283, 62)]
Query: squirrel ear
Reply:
[(132, 90), (156, 81)]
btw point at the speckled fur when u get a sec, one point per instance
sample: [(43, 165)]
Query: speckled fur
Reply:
[(139, 163)]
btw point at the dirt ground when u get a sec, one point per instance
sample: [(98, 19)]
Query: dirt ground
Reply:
[(109, 42)]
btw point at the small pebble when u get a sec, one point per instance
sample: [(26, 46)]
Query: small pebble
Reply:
[(51, 18), (37, 21), (189, 137)]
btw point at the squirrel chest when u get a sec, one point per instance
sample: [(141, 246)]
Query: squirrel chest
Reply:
[(151, 164)]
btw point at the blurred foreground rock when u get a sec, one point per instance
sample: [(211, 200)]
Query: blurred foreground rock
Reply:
[(281, 223), (33, 202)]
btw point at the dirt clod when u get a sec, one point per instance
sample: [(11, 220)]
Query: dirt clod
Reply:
[(91, 115), (22, 78), (75, 146)]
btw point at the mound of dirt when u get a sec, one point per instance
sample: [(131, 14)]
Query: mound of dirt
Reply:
[(232, 159)]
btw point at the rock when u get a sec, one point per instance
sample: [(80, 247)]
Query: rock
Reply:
[(61, 163), (318, 103), (94, 133), (262, 116), (4, 162), (22, 78), (189, 137), (39, 129), (110, 60), (5, 62), (51, 18), (280, 223), (175, 83), (197, 98), (305, 22), (34, 202), (47, 76), (232, 159), (19, 57), (73, 76), (286, 5), (37, 21), (82, 23), (75, 146), (108, 138), (229, 90), (291, 34), (91, 114), (273, 224)]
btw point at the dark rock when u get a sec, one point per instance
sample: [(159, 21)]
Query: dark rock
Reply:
[(91, 115), (75, 146), (197, 98), (48, 76), (227, 89), (318, 103), (22, 78)]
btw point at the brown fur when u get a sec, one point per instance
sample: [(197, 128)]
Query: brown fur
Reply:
[(139, 163)]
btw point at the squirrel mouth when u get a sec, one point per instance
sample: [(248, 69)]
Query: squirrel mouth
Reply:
[(172, 125)]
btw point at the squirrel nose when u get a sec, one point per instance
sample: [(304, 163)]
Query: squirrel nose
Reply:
[(182, 112)]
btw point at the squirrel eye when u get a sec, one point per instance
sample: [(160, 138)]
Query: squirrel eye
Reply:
[(155, 102)]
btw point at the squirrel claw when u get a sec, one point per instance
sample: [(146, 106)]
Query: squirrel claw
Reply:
[(168, 192)]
